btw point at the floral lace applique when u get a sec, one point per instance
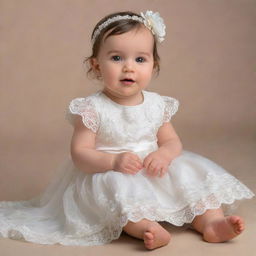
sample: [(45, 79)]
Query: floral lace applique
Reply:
[(171, 107), (86, 109)]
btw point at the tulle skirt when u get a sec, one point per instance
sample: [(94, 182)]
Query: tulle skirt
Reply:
[(91, 209)]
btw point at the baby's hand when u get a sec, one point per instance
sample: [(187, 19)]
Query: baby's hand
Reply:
[(127, 163), (156, 164)]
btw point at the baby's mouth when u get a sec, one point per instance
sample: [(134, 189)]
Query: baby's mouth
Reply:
[(127, 81)]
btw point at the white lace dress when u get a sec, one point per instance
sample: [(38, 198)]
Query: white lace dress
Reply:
[(91, 209)]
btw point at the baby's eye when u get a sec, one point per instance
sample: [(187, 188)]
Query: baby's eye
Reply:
[(116, 58), (140, 59)]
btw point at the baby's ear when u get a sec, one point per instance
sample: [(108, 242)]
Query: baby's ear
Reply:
[(95, 64), (155, 71), (95, 67)]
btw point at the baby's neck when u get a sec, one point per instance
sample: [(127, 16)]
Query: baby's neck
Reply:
[(130, 100)]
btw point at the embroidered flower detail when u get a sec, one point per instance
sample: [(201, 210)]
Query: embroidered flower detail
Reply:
[(155, 23)]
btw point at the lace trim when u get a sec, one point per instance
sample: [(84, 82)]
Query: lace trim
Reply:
[(171, 107), (78, 233), (86, 109)]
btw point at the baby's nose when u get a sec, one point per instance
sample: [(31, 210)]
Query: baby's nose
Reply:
[(128, 66)]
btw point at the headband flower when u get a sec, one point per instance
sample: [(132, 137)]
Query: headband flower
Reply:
[(155, 23)]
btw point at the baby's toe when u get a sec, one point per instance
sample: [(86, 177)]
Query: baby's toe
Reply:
[(237, 223), (148, 236), (148, 240)]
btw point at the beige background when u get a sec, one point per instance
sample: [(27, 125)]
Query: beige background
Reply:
[(207, 62)]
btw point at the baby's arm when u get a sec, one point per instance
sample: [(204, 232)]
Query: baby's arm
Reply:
[(88, 159), (157, 162)]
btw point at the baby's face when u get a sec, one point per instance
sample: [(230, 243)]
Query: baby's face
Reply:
[(125, 63)]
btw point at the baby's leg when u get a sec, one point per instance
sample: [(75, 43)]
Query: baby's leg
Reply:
[(153, 234), (216, 228)]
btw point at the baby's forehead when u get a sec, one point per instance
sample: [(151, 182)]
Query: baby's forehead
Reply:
[(139, 40)]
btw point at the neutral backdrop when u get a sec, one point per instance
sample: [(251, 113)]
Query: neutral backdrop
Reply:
[(208, 63)]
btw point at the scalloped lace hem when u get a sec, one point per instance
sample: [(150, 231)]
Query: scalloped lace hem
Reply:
[(103, 234)]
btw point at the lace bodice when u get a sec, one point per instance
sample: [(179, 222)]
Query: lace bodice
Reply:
[(122, 128)]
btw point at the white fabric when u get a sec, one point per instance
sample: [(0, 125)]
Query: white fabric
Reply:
[(91, 209)]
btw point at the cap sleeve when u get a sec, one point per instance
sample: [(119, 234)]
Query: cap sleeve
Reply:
[(171, 107), (85, 108)]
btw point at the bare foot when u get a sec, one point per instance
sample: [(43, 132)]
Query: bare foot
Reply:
[(156, 236), (223, 229)]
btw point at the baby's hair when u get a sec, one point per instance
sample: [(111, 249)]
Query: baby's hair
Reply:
[(117, 28)]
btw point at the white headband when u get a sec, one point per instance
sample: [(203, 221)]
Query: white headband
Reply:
[(151, 20)]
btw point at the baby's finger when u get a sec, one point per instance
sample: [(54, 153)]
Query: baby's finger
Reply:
[(151, 168), (138, 164), (163, 171), (157, 170), (129, 171), (132, 167), (137, 159), (147, 162)]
